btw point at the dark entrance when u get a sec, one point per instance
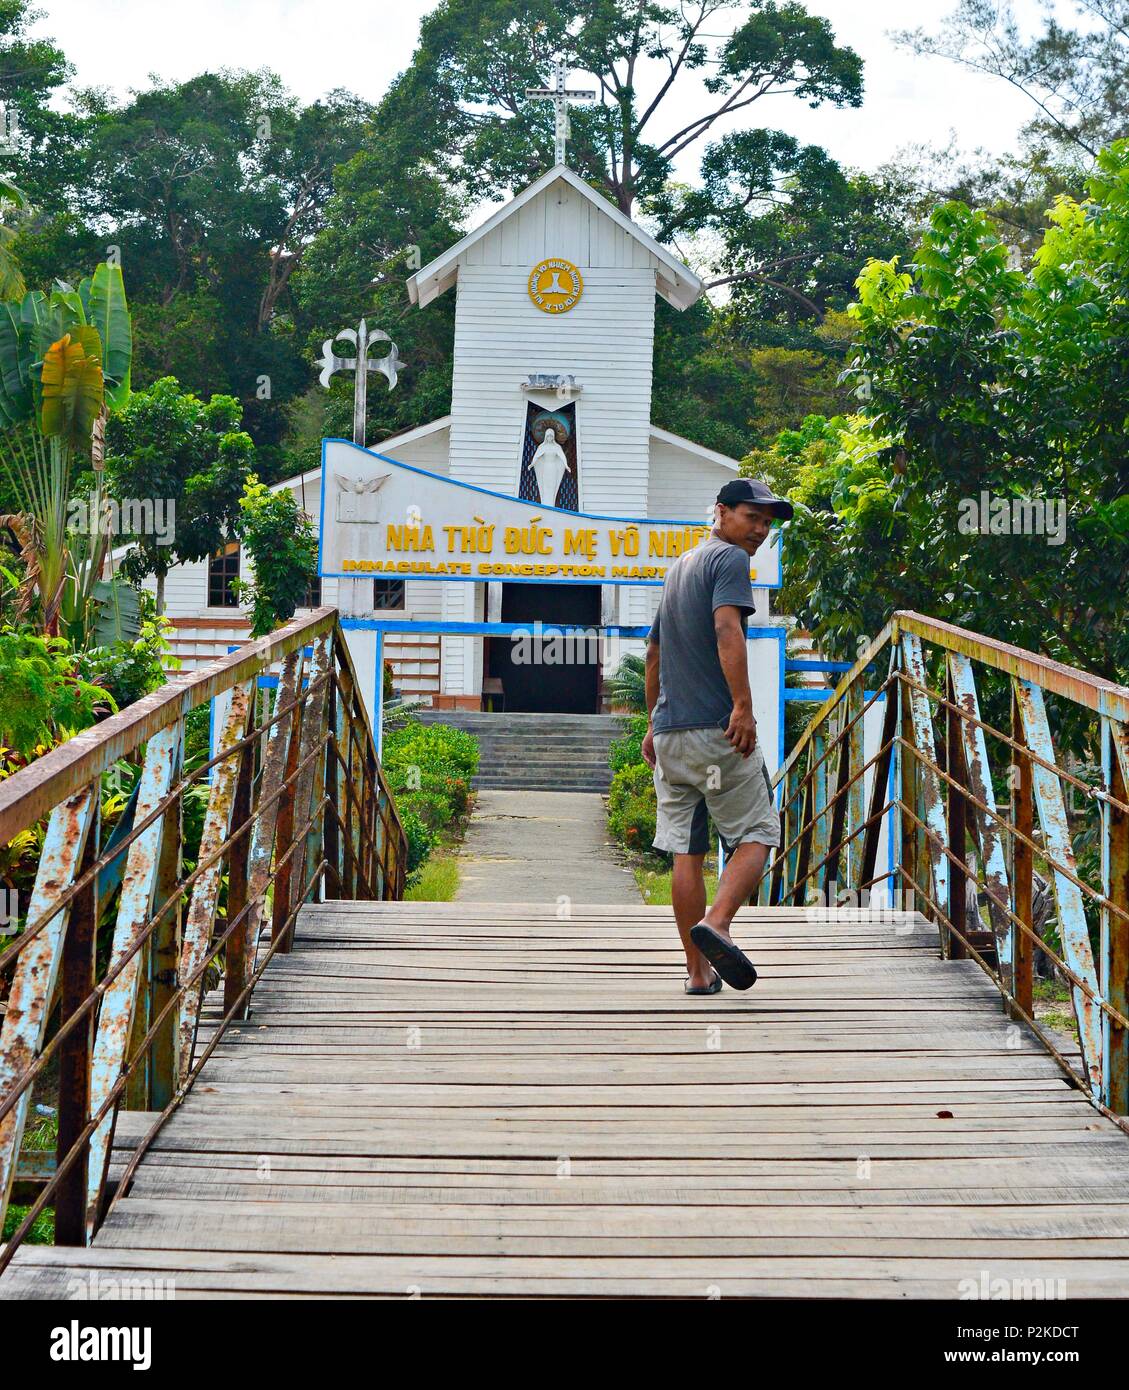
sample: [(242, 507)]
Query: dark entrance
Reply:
[(540, 684)]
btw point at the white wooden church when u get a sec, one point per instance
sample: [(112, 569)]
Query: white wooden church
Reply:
[(554, 335)]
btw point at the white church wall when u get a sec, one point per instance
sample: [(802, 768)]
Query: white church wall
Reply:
[(605, 341), (504, 337), (682, 484), (429, 451)]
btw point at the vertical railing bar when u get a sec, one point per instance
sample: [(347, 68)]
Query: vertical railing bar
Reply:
[(1115, 929), (1073, 931), (201, 915), (1023, 866), (119, 1004), (37, 969), (956, 815), (77, 1048)]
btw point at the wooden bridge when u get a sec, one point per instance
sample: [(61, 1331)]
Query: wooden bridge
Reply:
[(517, 1099)]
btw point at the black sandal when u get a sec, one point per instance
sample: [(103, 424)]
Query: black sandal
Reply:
[(714, 987), (730, 962)]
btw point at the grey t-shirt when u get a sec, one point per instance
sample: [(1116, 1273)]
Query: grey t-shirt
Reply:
[(693, 693)]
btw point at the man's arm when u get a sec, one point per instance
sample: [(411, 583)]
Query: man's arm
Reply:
[(733, 654), (652, 687)]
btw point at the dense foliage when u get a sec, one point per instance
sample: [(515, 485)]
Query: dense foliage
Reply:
[(429, 768), (281, 544), (982, 379)]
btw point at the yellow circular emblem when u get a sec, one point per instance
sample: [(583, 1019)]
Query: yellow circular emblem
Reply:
[(555, 285)]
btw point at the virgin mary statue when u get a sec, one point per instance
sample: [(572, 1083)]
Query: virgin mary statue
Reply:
[(549, 466)]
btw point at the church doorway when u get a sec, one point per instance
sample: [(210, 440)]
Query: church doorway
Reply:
[(549, 674)]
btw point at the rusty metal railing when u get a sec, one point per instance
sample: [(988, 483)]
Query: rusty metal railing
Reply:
[(105, 981), (908, 754)]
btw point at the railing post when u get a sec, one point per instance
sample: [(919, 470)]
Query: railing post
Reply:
[(125, 1000), (1073, 931), (856, 796), (77, 1049), (331, 832), (201, 916), (234, 968), (292, 878), (37, 969), (346, 787), (879, 787), (266, 821), (284, 834), (1115, 928), (956, 818), (926, 786), (838, 816), (1023, 865), (164, 957), (986, 829)]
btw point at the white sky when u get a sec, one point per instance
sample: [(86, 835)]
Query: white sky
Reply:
[(361, 45)]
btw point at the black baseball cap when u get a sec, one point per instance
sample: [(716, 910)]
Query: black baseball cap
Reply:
[(760, 494)]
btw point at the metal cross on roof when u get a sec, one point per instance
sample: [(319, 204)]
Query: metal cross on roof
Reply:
[(361, 339), (560, 97)]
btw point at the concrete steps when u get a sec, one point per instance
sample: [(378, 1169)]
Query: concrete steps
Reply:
[(537, 752)]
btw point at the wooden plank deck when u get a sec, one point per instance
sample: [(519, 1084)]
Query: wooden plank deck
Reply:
[(454, 1099)]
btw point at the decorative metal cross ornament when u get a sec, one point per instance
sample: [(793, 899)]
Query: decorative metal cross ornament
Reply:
[(560, 97), (361, 339)]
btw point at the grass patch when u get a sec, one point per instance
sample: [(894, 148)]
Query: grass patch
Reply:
[(654, 885), (1061, 1023), (436, 880), (1051, 992), (42, 1230)]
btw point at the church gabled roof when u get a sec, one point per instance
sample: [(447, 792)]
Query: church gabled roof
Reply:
[(675, 281)]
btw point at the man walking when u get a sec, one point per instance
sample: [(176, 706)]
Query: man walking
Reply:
[(702, 736)]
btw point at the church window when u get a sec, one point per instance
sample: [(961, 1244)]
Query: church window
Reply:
[(223, 567), (387, 593)]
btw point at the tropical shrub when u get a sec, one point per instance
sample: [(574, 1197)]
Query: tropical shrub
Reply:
[(623, 752), (428, 767), (129, 670), (45, 696), (421, 841), (433, 809), (282, 545), (632, 808)]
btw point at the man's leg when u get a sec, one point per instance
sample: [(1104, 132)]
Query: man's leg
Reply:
[(738, 883), (688, 892)]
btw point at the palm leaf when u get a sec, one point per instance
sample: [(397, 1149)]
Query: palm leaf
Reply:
[(104, 300), (18, 330), (72, 389)]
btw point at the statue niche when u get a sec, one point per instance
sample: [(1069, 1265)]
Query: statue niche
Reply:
[(548, 458)]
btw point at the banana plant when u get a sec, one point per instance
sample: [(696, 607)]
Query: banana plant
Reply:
[(64, 365)]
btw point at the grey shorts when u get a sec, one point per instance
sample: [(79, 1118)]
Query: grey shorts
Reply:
[(699, 770)]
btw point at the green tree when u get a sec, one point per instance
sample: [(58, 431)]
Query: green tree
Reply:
[(283, 547), (984, 379), (169, 446), (1075, 76), (214, 189), (464, 92), (386, 219)]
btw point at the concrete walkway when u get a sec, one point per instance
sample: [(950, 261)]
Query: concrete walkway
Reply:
[(534, 847)]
